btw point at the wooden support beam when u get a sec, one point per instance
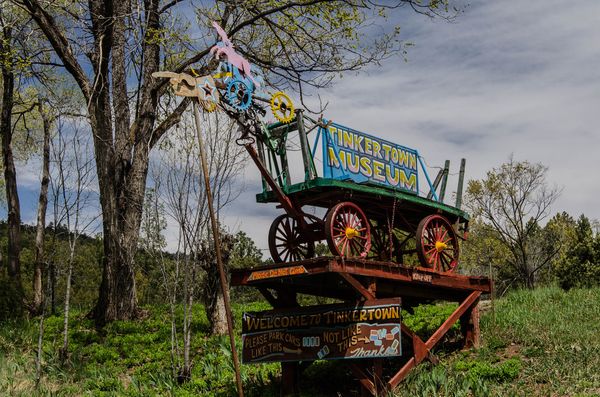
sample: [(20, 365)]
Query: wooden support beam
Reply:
[(286, 298), (357, 286), (420, 350), (469, 326), (444, 180), (309, 172), (402, 373), (364, 379), (372, 285), (436, 183), (423, 350), (460, 310), (459, 189), (284, 200), (378, 376), (268, 296), (369, 280), (289, 379)]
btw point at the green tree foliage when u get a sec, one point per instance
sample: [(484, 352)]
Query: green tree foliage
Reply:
[(510, 203), (579, 264), (245, 253), (86, 266), (483, 250)]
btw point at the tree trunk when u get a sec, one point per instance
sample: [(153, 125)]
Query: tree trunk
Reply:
[(185, 373), (38, 295), (52, 276), (122, 214), (122, 166), (10, 176), (213, 297), (218, 318), (64, 350)]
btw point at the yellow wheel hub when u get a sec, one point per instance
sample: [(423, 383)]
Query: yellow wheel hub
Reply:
[(440, 246), (351, 233)]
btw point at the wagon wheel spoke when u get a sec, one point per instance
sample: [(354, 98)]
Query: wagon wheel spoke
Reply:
[(430, 251), (449, 257), (343, 244), (354, 246), (444, 235), (287, 255)]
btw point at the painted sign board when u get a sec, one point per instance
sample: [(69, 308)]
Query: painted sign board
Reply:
[(370, 329), (277, 272), (351, 154)]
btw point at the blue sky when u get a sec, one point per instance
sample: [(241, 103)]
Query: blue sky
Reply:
[(505, 78)]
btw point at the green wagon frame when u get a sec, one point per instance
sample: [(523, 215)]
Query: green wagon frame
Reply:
[(364, 220)]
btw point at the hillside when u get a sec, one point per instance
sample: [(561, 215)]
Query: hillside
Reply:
[(535, 343)]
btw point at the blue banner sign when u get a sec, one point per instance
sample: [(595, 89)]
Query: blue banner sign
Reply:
[(362, 158)]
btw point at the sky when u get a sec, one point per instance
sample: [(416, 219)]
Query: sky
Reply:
[(518, 78)]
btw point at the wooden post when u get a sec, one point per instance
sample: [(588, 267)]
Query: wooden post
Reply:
[(290, 371), (461, 179), (215, 232), (436, 183), (378, 376), (469, 326), (289, 379), (261, 156), (444, 180), (308, 167)]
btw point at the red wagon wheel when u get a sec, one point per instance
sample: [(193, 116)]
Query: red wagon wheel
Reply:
[(286, 242), (348, 231), (437, 244)]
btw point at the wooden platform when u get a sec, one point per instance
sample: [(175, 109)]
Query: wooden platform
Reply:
[(356, 279)]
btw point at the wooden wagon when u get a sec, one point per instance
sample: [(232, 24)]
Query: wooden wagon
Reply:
[(369, 188)]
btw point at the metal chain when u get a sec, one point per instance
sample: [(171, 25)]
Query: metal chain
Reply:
[(391, 227)]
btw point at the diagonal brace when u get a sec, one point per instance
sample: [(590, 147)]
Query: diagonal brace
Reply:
[(354, 283)]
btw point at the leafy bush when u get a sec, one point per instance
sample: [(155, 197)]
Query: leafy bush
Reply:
[(501, 372), (426, 319), (428, 381)]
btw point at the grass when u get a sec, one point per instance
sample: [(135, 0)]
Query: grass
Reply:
[(537, 343), (126, 358)]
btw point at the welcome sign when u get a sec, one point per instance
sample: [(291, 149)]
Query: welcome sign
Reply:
[(370, 329), (351, 154)]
